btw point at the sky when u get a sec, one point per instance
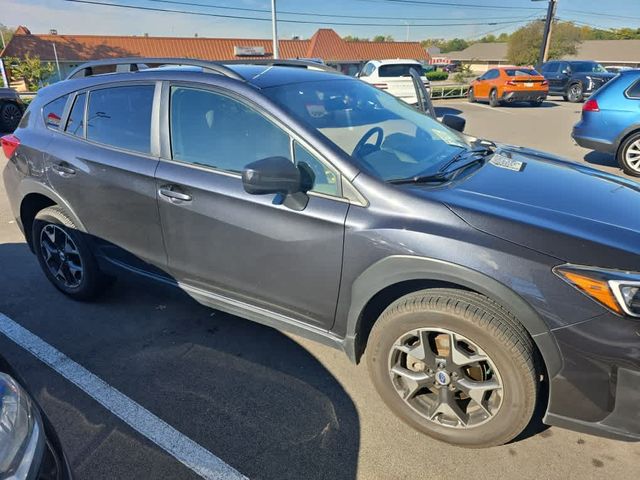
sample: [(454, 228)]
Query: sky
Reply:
[(412, 19)]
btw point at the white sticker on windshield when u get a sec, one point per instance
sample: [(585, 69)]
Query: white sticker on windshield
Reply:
[(505, 162)]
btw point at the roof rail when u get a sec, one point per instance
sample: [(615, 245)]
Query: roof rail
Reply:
[(134, 64), (283, 63)]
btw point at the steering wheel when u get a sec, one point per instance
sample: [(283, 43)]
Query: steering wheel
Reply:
[(363, 148)]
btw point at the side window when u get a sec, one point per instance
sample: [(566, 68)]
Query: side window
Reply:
[(75, 123), (52, 112), (121, 117), (217, 131), (320, 178), (634, 90)]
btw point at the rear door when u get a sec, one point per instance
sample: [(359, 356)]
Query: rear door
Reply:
[(552, 72), (224, 241), (103, 164)]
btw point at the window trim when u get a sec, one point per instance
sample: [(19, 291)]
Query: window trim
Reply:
[(64, 111), (74, 97), (167, 153)]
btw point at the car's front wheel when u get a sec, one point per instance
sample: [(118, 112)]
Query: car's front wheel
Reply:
[(456, 366), (64, 255), (575, 93), (471, 95), (494, 101), (629, 155)]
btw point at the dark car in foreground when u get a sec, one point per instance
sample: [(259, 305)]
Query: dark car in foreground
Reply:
[(478, 280), (11, 109), (29, 447), (610, 121), (575, 80)]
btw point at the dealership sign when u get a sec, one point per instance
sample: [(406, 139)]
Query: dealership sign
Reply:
[(249, 51)]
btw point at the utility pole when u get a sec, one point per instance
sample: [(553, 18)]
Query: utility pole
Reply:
[(55, 54), (274, 25), (546, 36)]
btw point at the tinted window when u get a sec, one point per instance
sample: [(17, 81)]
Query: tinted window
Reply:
[(217, 131), (521, 72), (75, 123), (634, 90), (320, 177), (551, 67), (52, 112), (399, 70), (587, 67), (121, 117), (491, 74)]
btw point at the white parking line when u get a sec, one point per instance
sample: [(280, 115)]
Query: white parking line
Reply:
[(495, 109), (182, 448)]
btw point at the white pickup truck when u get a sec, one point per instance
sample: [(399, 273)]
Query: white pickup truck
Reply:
[(394, 77)]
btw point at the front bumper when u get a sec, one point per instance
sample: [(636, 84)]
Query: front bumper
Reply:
[(524, 96), (597, 391)]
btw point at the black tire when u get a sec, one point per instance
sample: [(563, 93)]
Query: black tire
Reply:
[(10, 115), (575, 93), (84, 286), (471, 96), (496, 332), (626, 160), (565, 98), (493, 98)]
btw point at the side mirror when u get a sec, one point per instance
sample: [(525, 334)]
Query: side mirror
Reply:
[(454, 122), (275, 175), (565, 72)]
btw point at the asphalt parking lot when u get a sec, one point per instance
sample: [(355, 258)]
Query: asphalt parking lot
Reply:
[(273, 406)]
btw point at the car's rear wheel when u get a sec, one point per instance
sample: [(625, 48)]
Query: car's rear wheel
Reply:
[(10, 115), (454, 365), (575, 93), (493, 98), (64, 255), (629, 155)]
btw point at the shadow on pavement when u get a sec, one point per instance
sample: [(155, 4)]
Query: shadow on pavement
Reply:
[(248, 393)]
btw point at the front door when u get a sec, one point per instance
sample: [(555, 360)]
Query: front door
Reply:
[(247, 248)]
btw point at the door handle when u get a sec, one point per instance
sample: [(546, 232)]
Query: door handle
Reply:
[(173, 195), (63, 169)]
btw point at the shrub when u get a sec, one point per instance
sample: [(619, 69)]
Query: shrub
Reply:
[(437, 75)]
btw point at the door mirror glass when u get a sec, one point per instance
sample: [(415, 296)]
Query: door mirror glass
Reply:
[(454, 122)]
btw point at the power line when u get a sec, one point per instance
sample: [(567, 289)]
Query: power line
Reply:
[(598, 14), (306, 14), (241, 17), (451, 4), (480, 35)]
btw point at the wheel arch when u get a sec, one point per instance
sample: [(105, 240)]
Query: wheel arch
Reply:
[(36, 197), (396, 276), (626, 133)]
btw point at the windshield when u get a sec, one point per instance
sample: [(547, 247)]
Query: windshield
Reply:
[(588, 67), (521, 72), (383, 135)]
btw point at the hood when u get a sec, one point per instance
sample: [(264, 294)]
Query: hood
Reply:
[(557, 207)]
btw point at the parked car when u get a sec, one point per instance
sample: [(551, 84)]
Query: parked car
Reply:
[(29, 446), (452, 67), (11, 109), (478, 280), (575, 80), (610, 121), (509, 84), (394, 77)]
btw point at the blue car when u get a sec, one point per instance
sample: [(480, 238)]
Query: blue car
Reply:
[(611, 121)]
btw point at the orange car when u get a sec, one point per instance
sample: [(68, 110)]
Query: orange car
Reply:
[(510, 84)]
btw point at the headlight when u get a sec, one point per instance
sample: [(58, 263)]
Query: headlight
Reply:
[(617, 290), (20, 430)]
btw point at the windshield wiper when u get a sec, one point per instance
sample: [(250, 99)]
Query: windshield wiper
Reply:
[(481, 150), (438, 177)]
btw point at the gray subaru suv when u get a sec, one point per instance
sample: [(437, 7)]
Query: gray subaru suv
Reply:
[(478, 280)]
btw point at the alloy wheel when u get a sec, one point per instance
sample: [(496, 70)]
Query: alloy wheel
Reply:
[(632, 156), (575, 92), (61, 256), (11, 115), (445, 378)]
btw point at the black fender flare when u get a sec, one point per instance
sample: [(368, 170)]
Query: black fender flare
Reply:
[(400, 268), (625, 133)]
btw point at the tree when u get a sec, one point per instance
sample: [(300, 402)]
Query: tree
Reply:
[(382, 38), (351, 38), (524, 43), (454, 45), (7, 33), (34, 72)]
